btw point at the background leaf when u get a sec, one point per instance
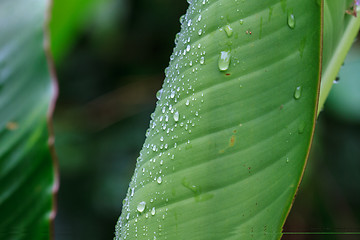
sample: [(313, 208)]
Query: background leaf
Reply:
[(27, 175), (340, 28), (67, 18), (228, 140)]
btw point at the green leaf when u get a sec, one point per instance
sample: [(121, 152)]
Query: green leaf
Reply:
[(232, 129), (229, 138), (27, 175)]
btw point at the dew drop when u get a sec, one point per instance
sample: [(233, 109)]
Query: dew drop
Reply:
[(153, 211), (189, 23), (224, 60), (291, 19), (182, 19), (141, 206), (228, 30), (301, 128), (241, 22), (159, 93), (159, 180), (176, 116), (297, 93), (202, 60)]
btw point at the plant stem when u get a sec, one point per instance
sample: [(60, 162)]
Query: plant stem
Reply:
[(334, 65)]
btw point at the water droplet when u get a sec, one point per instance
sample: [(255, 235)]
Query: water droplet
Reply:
[(189, 23), (224, 60), (228, 30), (336, 81), (287, 160), (297, 93), (194, 188), (202, 60), (159, 180), (141, 206), (153, 211), (301, 127), (176, 116), (177, 36), (187, 102), (291, 19), (182, 19), (241, 22), (159, 93)]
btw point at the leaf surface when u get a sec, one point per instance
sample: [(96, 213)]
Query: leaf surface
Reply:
[(27, 176), (229, 138)]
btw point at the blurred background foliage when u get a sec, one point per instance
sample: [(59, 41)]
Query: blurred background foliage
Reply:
[(110, 56)]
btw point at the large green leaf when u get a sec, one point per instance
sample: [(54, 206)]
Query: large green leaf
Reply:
[(230, 135), (27, 176)]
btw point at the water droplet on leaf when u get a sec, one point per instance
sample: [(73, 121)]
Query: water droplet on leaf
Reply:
[(228, 30), (291, 19), (297, 93), (176, 116), (153, 211), (224, 60), (141, 206), (301, 128), (159, 93)]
